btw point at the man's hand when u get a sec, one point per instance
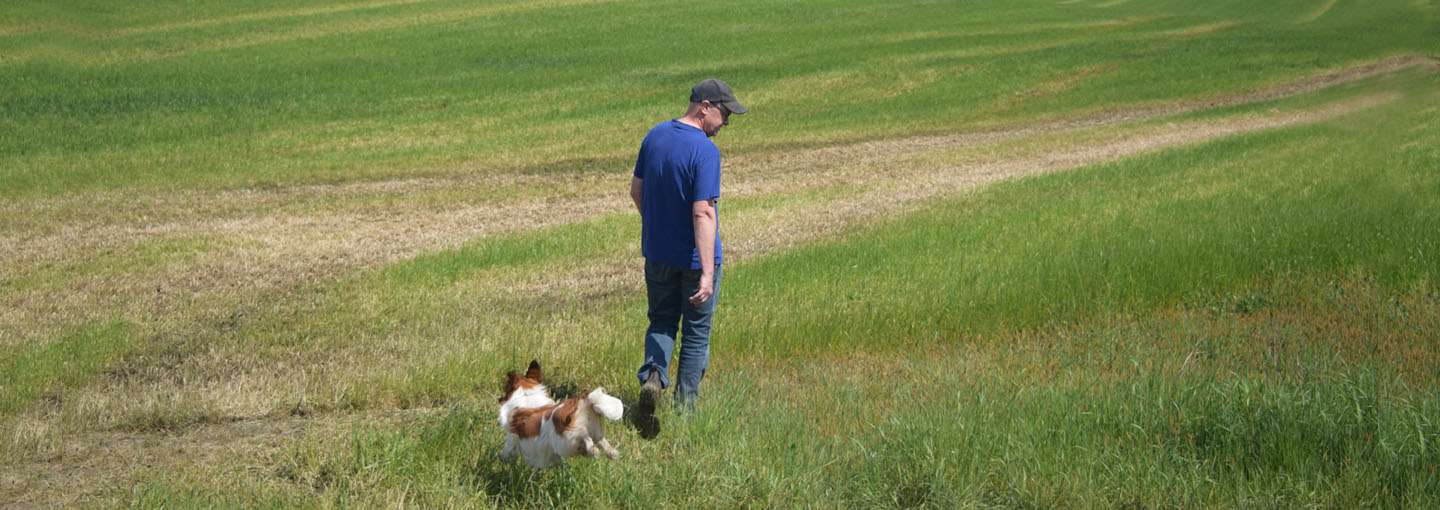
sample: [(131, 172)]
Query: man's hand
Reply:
[(707, 289)]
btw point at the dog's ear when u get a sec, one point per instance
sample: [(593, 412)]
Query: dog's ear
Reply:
[(534, 372), (510, 378)]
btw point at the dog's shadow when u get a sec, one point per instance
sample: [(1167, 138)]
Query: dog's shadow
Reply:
[(565, 390), (514, 484)]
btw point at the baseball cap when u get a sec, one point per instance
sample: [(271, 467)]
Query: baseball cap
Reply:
[(716, 92)]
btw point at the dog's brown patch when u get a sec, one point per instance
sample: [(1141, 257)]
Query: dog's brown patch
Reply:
[(565, 415), (527, 422)]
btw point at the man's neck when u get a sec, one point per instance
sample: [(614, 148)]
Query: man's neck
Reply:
[(693, 116), (692, 121)]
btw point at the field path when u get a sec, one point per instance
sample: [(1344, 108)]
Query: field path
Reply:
[(257, 247)]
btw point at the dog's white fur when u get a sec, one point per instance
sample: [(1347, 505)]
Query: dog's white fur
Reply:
[(584, 433)]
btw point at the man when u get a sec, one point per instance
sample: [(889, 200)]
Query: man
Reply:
[(675, 186)]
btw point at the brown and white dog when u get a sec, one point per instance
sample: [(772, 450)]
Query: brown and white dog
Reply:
[(545, 432)]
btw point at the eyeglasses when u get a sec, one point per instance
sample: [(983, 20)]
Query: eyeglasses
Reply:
[(724, 112)]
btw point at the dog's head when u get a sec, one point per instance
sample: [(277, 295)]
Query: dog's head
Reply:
[(533, 382), (523, 391)]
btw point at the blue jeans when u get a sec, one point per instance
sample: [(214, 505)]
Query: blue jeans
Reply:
[(669, 289)]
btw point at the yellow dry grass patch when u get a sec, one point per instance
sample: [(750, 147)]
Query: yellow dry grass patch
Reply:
[(79, 467), (996, 51), (1199, 30), (1057, 86), (268, 15), (1318, 12), (842, 87), (7, 30), (325, 27), (266, 253), (1028, 29), (991, 51)]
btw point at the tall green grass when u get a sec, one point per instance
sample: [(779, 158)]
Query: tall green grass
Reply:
[(923, 438)]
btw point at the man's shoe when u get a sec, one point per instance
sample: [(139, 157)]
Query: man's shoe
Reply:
[(645, 420)]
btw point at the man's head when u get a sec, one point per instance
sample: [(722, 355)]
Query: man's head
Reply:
[(711, 103)]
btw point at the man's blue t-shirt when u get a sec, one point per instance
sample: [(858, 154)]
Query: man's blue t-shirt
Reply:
[(679, 166)]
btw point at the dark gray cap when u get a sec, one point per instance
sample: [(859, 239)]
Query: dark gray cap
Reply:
[(716, 92)]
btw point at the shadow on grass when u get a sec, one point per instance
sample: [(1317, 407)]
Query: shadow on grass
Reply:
[(513, 484)]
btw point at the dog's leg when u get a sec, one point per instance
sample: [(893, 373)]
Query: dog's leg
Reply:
[(590, 448), (508, 452), (609, 450)]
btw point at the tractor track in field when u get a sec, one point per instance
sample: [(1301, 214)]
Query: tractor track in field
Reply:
[(259, 247)]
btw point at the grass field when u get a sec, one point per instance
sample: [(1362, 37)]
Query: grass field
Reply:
[(1010, 254)]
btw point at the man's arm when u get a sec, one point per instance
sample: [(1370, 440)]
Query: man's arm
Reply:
[(636, 186), (703, 216)]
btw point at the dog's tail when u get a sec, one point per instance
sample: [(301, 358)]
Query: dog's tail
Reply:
[(608, 406)]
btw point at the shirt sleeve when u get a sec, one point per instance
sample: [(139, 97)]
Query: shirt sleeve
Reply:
[(707, 176), (639, 172)]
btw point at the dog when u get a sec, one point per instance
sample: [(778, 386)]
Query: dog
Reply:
[(545, 432)]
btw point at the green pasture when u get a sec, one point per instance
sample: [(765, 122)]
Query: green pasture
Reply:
[(179, 95), (1252, 321)]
